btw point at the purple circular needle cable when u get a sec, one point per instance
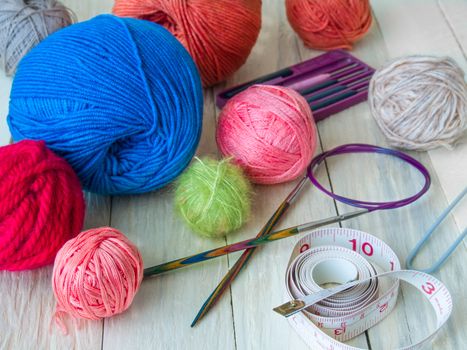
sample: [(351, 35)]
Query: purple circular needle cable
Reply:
[(364, 148)]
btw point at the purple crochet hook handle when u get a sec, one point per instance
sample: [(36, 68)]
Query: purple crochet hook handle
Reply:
[(319, 76)]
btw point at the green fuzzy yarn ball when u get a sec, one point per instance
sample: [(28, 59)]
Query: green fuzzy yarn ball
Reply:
[(213, 197)]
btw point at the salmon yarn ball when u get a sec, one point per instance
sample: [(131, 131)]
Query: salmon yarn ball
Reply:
[(41, 205), (269, 131), (96, 274), (219, 34), (329, 24)]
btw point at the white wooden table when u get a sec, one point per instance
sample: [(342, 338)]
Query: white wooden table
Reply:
[(165, 306)]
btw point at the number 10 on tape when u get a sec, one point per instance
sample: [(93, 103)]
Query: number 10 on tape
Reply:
[(325, 318)]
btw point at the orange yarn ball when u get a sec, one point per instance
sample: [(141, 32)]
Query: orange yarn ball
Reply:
[(329, 24), (219, 34)]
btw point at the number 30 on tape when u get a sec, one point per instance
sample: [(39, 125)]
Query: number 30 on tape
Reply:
[(358, 262)]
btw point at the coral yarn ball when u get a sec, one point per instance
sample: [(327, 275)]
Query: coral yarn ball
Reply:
[(96, 275), (218, 34), (269, 131), (41, 205), (119, 98), (329, 24)]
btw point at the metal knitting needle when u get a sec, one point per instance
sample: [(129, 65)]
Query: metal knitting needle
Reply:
[(429, 233)]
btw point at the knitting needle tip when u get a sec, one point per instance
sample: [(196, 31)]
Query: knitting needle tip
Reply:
[(195, 321), (199, 316)]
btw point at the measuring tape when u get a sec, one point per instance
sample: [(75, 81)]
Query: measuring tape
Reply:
[(357, 261)]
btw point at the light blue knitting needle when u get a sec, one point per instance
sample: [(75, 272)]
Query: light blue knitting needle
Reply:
[(428, 234)]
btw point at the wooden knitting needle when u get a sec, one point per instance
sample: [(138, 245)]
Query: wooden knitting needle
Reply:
[(244, 258), (331, 91), (233, 272), (249, 243)]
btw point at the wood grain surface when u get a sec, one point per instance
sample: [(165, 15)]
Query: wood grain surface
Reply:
[(165, 306)]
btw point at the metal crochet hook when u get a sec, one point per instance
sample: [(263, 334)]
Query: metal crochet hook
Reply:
[(428, 234)]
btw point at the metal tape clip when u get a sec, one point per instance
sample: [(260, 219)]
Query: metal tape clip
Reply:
[(290, 308)]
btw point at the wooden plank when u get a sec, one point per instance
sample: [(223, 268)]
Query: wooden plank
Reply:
[(5, 86), (453, 177), (424, 30), (89, 8), (377, 178), (164, 307), (450, 167), (162, 312), (27, 302), (260, 286)]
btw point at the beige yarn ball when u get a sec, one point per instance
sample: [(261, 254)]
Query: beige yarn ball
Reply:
[(420, 102), (24, 24)]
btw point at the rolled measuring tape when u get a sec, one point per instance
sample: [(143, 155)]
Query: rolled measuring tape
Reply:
[(357, 262)]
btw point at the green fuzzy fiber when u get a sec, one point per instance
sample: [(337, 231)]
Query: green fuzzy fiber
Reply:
[(213, 197)]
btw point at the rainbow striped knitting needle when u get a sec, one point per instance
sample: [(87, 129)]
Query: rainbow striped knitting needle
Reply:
[(267, 228), (249, 243), (366, 207), (233, 272)]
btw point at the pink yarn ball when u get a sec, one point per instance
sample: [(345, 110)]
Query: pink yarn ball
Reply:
[(269, 131), (96, 275)]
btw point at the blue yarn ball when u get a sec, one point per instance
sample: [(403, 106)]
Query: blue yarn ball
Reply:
[(119, 98)]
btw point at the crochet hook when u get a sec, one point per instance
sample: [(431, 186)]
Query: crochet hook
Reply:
[(336, 98), (306, 82), (331, 91), (287, 72)]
